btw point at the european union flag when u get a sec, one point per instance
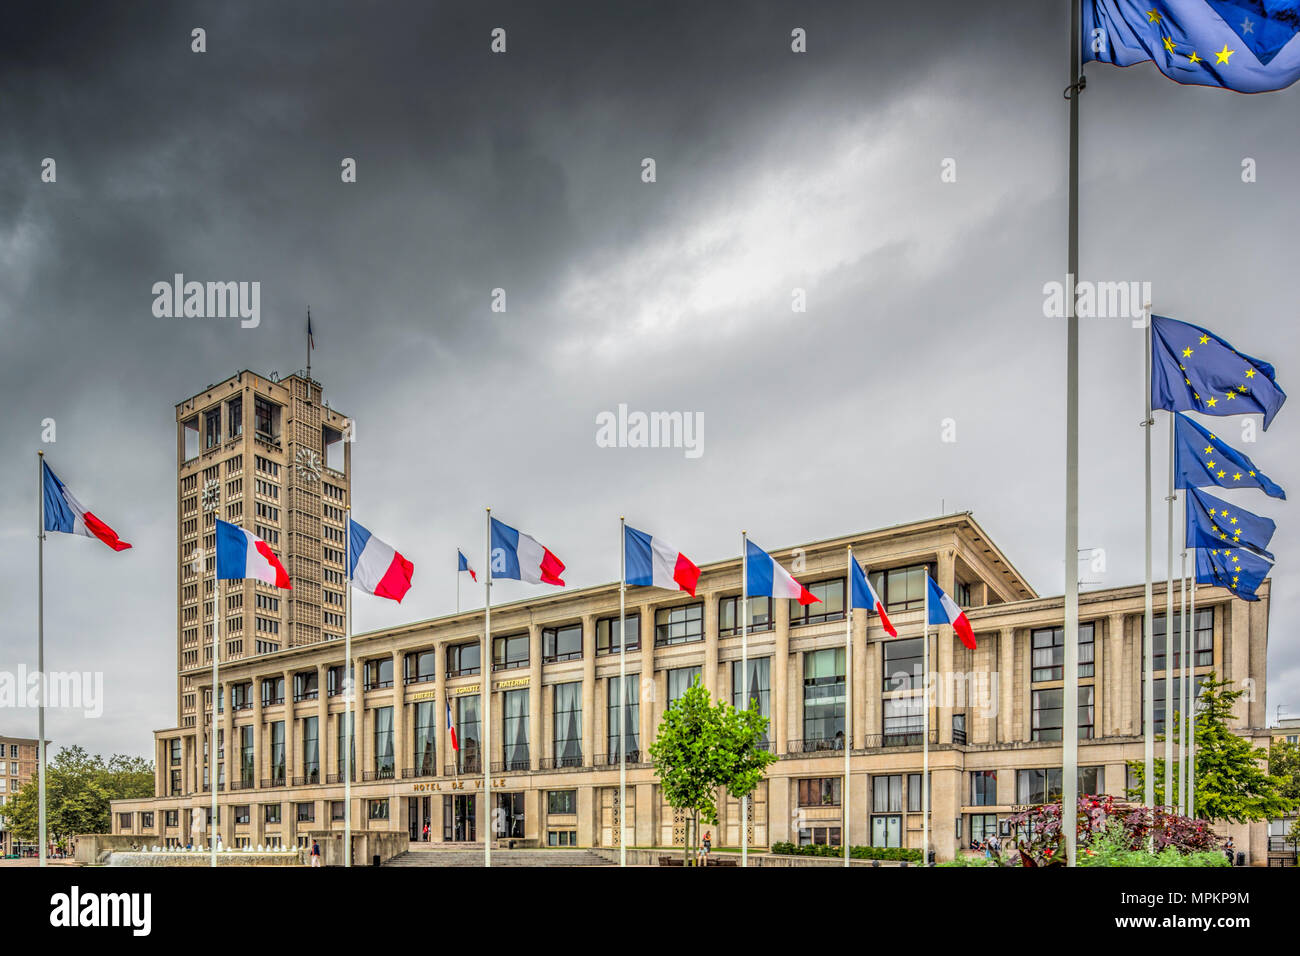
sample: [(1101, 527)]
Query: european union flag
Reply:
[(1201, 458), (1243, 45), (1214, 523), (1193, 369), (1240, 571)]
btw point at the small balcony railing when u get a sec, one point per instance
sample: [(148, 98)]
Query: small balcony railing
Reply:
[(559, 763), (516, 764), (808, 745), (268, 782), (308, 778), (611, 759), (383, 773), (419, 771), (901, 738), (338, 777), (467, 765)]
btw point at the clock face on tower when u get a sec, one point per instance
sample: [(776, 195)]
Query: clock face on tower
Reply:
[(211, 495), (307, 464)]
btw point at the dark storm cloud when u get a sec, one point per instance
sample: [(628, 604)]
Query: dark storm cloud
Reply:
[(522, 172)]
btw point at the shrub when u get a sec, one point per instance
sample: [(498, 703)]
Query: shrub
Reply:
[(855, 852)]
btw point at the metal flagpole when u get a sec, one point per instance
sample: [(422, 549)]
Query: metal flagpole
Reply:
[(744, 679), (1191, 736), (1169, 631), (1070, 701), (925, 725), (213, 771), (1182, 692), (40, 646), (1148, 620), (848, 704), (485, 694), (458, 581), (350, 687), (622, 692)]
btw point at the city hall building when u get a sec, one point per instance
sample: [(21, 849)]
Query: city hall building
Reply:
[(18, 756), (271, 456)]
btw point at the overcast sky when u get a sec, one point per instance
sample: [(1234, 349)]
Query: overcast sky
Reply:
[(522, 171)]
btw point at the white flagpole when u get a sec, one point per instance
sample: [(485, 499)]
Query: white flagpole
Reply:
[(744, 678), (213, 773), (458, 581), (848, 703), (1148, 620), (925, 725), (485, 695), (1182, 694), (350, 689), (1191, 737), (1070, 748), (622, 691), (1169, 631), (40, 647)]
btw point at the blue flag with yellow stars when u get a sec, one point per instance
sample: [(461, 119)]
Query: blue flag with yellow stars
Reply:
[(1202, 458), (1245, 45), (1192, 369), (1236, 569), (1214, 523)]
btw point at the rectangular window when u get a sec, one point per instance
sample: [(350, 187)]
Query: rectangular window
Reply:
[(568, 724), (272, 691), (903, 663), (1048, 713), (306, 686), (241, 814), (757, 688), (983, 788), (1049, 652), (306, 812), (607, 634), (277, 750), (266, 418), (379, 673), (311, 749), (680, 680), (1158, 703), (1043, 785), (820, 791), (246, 755), (1202, 640), (887, 793), (341, 722), (467, 733), (561, 643), (631, 717), (562, 801), (915, 795), (823, 699), (760, 615), (384, 757), (683, 624), (235, 417), (175, 747), (983, 826), (463, 659), (819, 836), (418, 667), (212, 428), (272, 812), (378, 809), (514, 730), (902, 589), (424, 755), (830, 608), (904, 722), (509, 653)]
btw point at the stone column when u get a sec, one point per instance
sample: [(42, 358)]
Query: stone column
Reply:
[(588, 694), (782, 705), (290, 725), (872, 655), (536, 744), (709, 671), (400, 755), (442, 739), (944, 638), (1006, 684), (646, 698), (259, 734), (225, 743), (863, 692), (359, 721), (324, 745)]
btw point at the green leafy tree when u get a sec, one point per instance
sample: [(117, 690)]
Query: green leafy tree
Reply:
[(79, 788), (1284, 762), (704, 747), (1232, 779)]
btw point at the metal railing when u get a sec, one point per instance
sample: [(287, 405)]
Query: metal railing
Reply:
[(468, 765), (313, 777), (808, 745), (338, 777), (241, 785), (423, 771), (634, 758), (559, 763), (268, 782), (513, 765), (383, 773)]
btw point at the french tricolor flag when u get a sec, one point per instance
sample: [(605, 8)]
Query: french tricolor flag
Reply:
[(516, 555), (463, 565), (65, 513), (864, 596), (651, 562), (766, 578), (242, 554), (377, 568), (944, 610), (451, 728)]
